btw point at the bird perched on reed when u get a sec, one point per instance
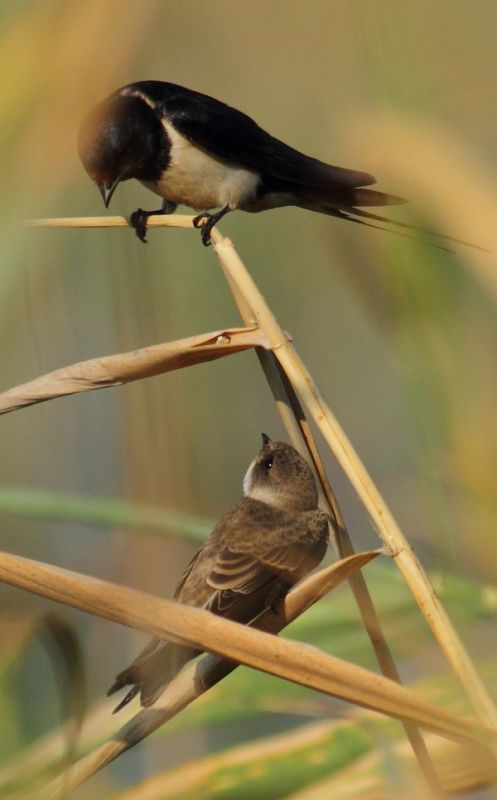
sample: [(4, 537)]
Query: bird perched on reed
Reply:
[(193, 150), (260, 548)]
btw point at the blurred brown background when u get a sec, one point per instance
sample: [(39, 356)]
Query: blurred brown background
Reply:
[(399, 335)]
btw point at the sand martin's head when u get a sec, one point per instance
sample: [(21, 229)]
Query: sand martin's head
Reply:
[(279, 476)]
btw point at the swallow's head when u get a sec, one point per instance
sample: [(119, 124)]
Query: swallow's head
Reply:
[(279, 476), (122, 138)]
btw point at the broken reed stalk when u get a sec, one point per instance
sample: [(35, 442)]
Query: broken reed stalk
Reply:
[(382, 518), (116, 370)]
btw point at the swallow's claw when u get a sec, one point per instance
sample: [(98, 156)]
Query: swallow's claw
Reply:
[(205, 223), (138, 221)]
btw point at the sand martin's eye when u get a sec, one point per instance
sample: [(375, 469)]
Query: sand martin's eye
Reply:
[(268, 463)]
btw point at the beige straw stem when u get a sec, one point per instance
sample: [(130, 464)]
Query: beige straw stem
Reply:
[(388, 529), (298, 428)]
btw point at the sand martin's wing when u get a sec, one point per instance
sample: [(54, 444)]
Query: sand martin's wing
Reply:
[(269, 550)]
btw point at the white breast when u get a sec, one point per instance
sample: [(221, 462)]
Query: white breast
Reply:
[(197, 179)]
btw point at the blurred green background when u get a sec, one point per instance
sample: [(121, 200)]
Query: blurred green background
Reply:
[(399, 335)]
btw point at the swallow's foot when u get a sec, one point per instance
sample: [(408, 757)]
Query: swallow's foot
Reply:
[(139, 218), (205, 222)]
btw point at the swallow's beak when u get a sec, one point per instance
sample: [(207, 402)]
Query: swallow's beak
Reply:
[(265, 439), (107, 189)]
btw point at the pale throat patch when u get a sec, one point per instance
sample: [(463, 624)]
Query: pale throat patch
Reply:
[(262, 493), (247, 481)]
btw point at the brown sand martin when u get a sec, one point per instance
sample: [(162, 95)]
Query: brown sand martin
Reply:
[(194, 150), (266, 543)]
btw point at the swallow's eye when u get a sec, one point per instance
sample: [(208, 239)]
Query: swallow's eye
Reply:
[(268, 463)]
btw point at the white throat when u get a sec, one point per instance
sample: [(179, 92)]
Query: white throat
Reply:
[(262, 493)]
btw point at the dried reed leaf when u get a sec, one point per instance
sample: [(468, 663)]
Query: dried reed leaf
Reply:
[(115, 370)]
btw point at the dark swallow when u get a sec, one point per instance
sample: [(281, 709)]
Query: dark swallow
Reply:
[(256, 552), (191, 149)]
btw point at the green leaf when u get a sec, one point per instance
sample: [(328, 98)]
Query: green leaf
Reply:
[(42, 504)]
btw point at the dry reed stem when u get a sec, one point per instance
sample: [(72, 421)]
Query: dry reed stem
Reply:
[(197, 677), (115, 370), (300, 435), (156, 221), (299, 428), (293, 661), (252, 307), (379, 512)]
